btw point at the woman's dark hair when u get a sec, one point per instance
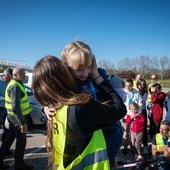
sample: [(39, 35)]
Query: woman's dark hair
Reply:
[(145, 89), (54, 84)]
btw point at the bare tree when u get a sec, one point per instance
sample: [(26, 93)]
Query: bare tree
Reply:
[(144, 64), (120, 65), (164, 63), (154, 64), (107, 65)]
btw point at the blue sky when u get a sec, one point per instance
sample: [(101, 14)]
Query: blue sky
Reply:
[(114, 29)]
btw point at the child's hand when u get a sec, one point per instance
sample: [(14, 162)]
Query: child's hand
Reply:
[(134, 115), (153, 89), (137, 115), (94, 71)]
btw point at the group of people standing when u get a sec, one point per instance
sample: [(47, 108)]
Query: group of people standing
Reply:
[(139, 95), (134, 95), (15, 109), (90, 114)]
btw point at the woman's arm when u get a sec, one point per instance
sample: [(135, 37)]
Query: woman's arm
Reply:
[(144, 97), (94, 115)]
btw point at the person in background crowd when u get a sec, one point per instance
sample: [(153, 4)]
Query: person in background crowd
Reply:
[(118, 84), (156, 116), (78, 56), (132, 96), (136, 121), (138, 76), (18, 106), (78, 120), (153, 81), (167, 106), (4, 80), (160, 145), (143, 90)]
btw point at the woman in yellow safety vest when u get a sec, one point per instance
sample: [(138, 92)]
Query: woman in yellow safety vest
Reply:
[(75, 139)]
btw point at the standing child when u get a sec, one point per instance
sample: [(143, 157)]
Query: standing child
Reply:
[(143, 90), (136, 121), (132, 96), (157, 98)]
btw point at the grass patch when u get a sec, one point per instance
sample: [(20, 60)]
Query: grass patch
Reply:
[(164, 83)]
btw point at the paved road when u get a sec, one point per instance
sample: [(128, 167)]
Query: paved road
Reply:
[(35, 153)]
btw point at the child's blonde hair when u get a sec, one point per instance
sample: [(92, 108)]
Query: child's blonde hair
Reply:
[(135, 105), (79, 53)]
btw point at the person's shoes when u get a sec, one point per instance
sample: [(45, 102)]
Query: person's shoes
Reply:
[(139, 158), (3, 166), (24, 166), (124, 151), (145, 150)]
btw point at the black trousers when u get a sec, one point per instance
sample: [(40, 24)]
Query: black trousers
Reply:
[(154, 128), (3, 114), (14, 133), (145, 134)]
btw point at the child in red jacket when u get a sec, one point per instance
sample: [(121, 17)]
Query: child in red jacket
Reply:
[(136, 121), (157, 98)]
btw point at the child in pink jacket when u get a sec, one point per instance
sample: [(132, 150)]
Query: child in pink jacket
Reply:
[(136, 121)]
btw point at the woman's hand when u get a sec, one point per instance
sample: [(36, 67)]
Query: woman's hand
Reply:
[(50, 112)]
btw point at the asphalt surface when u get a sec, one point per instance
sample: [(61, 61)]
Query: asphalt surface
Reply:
[(35, 153)]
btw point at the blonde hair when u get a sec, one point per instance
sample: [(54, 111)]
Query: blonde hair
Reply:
[(79, 53), (135, 105)]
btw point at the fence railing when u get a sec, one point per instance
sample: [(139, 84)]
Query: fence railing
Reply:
[(14, 63)]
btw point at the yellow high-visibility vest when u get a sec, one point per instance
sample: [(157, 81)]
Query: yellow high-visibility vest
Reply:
[(24, 103), (94, 156), (159, 141)]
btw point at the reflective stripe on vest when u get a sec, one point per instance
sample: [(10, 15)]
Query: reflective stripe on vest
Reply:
[(24, 103), (159, 141), (94, 155)]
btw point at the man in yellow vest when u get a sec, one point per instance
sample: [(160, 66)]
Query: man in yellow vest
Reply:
[(18, 106), (160, 145)]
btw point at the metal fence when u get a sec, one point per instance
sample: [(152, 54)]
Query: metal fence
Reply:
[(14, 63)]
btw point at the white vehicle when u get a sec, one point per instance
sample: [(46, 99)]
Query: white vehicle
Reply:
[(36, 117), (28, 79)]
